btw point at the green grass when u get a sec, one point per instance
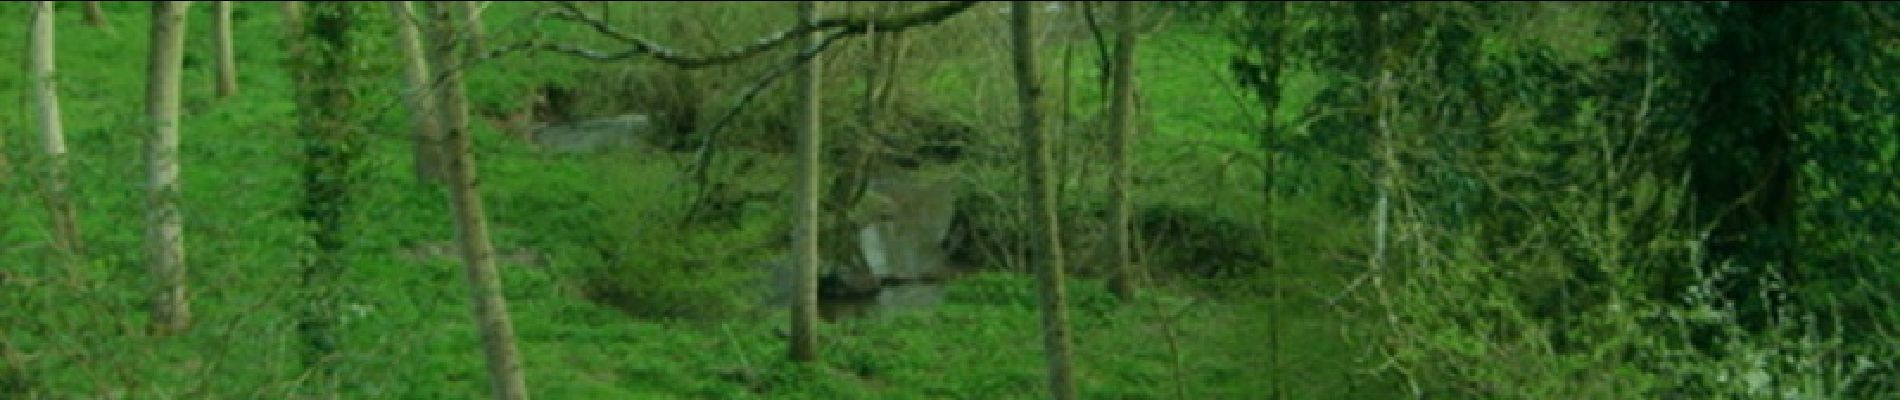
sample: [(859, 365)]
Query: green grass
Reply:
[(407, 331)]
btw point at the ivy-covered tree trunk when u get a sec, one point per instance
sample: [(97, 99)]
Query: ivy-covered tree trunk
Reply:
[(328, 131), (1046, 247), (491, 309), (164, 234)]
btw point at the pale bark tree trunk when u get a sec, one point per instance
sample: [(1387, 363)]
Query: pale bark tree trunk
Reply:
[(227, 59), (52, 134), (805, 302), (164, 235), (471, 14), (95, 16), (1046, 247), (291, 14), (491, 309), (1380, 93), (1122, 109), (324, 102), (430, 169)]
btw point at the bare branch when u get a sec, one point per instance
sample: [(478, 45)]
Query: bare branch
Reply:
[(845, 25), (704, 158)]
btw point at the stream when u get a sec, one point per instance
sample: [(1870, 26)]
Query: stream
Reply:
[(892, 296)]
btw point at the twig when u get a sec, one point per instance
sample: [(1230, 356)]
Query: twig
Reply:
[(743, 360)]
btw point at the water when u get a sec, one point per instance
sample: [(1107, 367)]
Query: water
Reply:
[(892, 299)]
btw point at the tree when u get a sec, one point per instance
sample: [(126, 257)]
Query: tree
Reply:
[(491, 309), (95, 16), (430, 169), (164, 234), (1046, 246), (227, 59), (330, 143), (805, 302), (291, 14), (637, 47), (1261, 66), (1122, 134), (58, 190), (471, 14)]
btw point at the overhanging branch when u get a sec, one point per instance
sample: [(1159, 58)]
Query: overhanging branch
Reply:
[(703, 160), (845, 26)]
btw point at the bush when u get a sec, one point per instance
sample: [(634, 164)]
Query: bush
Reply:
[(613, 230)]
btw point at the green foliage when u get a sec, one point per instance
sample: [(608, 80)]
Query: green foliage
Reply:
[(1546, 222), (1544, 241)]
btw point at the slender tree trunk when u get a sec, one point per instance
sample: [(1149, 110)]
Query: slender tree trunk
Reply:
[(291, 13), (430, 169), (805, 303), (1379, 79), (325, 102), (1046, 248), (52, 134), (491, 309), (227, 59), (95, 16), (164, 235), (471, 14), (1122, 109), (1274, 65)]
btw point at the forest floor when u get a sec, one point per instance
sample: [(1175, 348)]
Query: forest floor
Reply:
[(407, 329)]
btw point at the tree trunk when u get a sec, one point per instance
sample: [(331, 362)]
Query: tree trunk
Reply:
[(95, 16), (1270, 98), (1122, 109), (325, 103), (52, 134), (430, 169), (227, 59), (1047, 244), (805, 304), (491, 309), (164, 234), (291, 14), (1380, 95), (471, 14)]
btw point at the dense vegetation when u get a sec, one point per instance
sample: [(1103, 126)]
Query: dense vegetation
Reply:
[(1332, 199)]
